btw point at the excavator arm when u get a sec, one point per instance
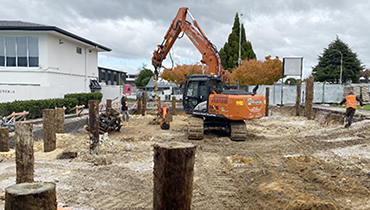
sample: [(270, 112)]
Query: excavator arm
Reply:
[(210, 55)]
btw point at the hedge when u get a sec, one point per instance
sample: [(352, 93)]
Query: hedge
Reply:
[(35, 107), (83, 98)]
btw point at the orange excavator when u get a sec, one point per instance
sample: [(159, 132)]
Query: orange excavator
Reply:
[(205, 96)]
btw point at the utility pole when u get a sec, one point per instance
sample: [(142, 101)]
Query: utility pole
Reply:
[(240, 43), (341, 66), (240, 40)]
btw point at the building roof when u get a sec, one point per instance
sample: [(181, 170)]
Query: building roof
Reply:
[(26, 26), (160, 83), (111, 69)]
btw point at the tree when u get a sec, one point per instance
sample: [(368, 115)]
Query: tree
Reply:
[(290, 81), (143, 77), (230, 52), (253, 72), (329, 67), (177, 74)]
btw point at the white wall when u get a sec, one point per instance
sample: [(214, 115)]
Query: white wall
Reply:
[(61, 69), (111, 92)]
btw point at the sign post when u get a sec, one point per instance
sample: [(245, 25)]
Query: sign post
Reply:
[(292, 66)]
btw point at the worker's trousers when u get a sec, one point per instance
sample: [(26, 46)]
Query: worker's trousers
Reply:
[(349, 115)]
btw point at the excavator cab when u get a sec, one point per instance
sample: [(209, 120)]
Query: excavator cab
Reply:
[(198, 88)]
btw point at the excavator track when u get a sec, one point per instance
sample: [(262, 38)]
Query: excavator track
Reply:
[(195, 128), (238, 131)]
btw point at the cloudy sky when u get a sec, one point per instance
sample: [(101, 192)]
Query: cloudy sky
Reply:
[(134, 28)]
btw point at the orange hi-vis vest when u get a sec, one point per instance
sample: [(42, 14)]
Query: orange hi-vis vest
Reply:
[(351, 101)]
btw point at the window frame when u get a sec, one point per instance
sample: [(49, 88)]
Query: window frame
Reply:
[(8, 55)]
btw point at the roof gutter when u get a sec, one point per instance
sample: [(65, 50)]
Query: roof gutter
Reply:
[(53, 28)]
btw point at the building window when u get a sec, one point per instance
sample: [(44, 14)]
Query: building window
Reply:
[(22, 51), (102, 76), (109, 79), (79, 50), (11, 55), (33, 50), (115, 82)]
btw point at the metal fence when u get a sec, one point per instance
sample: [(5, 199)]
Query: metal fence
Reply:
[(323, 93)]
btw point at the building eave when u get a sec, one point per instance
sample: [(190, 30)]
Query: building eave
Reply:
[(56, 29)]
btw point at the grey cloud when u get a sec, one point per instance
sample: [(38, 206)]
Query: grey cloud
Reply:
[(134, 28)]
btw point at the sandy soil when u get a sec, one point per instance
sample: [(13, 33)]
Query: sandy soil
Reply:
[(286, 163)]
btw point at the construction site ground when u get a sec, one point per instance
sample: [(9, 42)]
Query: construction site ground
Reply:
[(286, 162)]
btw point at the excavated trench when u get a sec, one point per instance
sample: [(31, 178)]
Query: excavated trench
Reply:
[(325, 115)]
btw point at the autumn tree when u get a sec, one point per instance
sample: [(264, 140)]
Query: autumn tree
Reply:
[(253, 72), (177, 74), (230, 52)]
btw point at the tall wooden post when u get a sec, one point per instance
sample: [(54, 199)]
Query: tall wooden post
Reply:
[(309, 98), (31, 196), (139, 104), (143, 107), (109, 103), (267, 101), (24, 157), (298, 99), (173, 105), (173, 175), (94, 126), (4, 139), (59, 120), (48, 129)]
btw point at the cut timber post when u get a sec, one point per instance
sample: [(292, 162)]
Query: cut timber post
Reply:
[(139, 104), (309, 98), (143, 107), (109, 104), (173, 175), (48, 129), (4, 139), (31, 196), (267, 101), (24, 157), (94, 126), (173, 106), (59, 120), (298, 99)]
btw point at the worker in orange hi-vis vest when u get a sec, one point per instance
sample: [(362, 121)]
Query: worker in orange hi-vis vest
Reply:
[(351, 106)]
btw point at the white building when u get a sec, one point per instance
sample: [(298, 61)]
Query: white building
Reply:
[(40, 61)]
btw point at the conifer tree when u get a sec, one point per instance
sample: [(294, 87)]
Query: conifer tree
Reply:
[(230, 52), (329, 67)]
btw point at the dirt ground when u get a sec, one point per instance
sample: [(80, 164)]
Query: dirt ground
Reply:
[(286, 163)]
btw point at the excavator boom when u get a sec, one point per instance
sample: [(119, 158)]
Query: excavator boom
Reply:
[(210, 55)]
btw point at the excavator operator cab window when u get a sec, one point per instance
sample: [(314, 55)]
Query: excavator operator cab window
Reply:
[(192, 90), (215, 85), (203, 94)]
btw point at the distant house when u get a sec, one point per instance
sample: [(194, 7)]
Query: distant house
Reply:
[(111, 81), (165, 89), (39, 61), (131, 80)]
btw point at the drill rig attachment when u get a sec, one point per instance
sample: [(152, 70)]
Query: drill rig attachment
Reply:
[(166, 117)]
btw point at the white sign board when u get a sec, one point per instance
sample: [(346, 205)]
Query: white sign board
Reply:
[(292, 66)]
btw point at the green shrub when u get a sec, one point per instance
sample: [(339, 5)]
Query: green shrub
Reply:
[(35, 107), (83, 98)]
